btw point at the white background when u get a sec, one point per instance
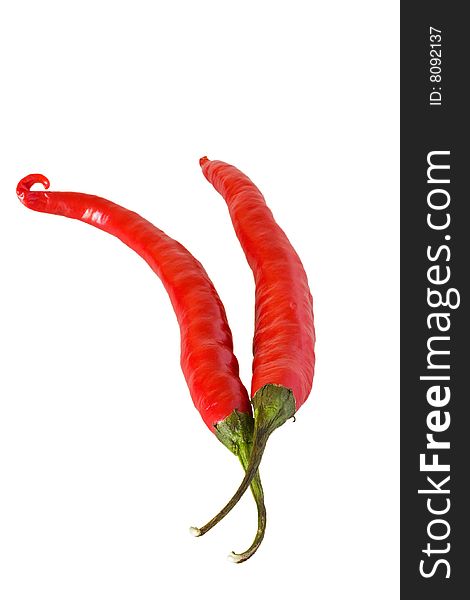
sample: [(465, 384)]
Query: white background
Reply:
[(104, 462)]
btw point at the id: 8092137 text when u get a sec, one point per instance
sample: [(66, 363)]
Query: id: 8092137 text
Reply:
[(435, 66)]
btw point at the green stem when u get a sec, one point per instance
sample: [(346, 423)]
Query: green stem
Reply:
[(273, 405), (236, 433), (258, 494)]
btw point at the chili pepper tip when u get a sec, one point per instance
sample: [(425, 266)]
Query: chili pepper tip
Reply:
[(27, 182), (195, 531), (203, 161)]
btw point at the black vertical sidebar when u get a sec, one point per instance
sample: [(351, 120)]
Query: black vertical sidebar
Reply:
[(435, 271)]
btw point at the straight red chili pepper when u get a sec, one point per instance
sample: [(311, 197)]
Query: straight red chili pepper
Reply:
[(283, 347), (207, 359)]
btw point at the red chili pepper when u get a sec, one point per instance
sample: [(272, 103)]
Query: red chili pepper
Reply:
[(284, 338), (207, 359)]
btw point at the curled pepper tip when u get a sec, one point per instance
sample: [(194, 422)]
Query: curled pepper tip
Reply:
[(27, 182), (203, 161)]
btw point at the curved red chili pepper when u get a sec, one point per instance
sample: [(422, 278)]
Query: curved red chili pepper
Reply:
[(284, 338), (207, 359)]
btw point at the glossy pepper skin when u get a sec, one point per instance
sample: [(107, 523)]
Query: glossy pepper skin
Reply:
[(207, 359), (284, 338)]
